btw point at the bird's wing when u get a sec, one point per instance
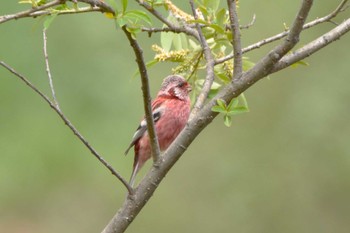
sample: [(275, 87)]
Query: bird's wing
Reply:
[(157, 113)]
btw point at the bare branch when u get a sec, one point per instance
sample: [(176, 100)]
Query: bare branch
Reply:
[(236, 35), (27, 13), (146, 96), (209, 79), (70, 125), (249, 24), (166, 29), (49, 72), (67, 12), (327, 18), (98, 3), (313, 46), (95, 5)]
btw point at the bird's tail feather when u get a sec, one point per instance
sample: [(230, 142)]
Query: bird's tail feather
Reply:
[(133, 174)]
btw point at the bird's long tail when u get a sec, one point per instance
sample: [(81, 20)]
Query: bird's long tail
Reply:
[(133, 174)]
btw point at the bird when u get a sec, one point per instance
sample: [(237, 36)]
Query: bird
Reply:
[(170, 109)]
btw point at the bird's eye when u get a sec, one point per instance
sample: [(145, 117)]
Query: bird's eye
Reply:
[(181, 84)]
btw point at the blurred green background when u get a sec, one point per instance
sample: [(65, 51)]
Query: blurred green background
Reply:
[(283, 167)]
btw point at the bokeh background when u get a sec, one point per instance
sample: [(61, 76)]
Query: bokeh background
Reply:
[(283, 167)]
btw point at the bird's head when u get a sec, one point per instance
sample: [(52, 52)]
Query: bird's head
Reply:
[(175, 86)]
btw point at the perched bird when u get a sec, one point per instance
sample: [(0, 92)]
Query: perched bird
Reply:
[(170, 109)]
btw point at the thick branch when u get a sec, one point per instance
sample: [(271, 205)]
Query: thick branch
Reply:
[(70, 125), (146, 96)]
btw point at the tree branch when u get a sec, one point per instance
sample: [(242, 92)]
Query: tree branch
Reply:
[(96, 5), (146, 96), (236, 35), (185, 29), (209, 79), (27, 13), (49, 72), (70, 125), (313, 46), (281, 35)]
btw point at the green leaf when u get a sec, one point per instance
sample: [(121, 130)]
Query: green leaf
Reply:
[(233, 104), (238, 110), (166, 40), (221, 16), (227, 120), (301, 62), (49, 20), (244, 100), (121, 21), (212, 4), (194, 45), (218, 108), (217, 28), (180, 41), (124, 5), (135, 15), (221, 103)]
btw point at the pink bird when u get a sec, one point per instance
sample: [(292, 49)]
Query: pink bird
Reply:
[(170, 110)]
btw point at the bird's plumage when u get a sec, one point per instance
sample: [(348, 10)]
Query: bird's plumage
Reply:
[(170, 109)]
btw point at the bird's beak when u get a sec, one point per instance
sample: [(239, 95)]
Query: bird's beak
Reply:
[(189, 88)]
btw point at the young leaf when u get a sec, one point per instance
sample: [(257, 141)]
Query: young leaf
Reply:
[(166, 39), (238, 110), (136, 15), (218, 108), (124, 5), (212, 4), (227, 120), (233, 104), (221, 103)]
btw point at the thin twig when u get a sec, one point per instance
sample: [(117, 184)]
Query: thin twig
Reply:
[(185, 29), (48, 71), (340, 8), (26, 13), (67, 12), (165, 29), (95, 5), (236, 35), (70, 125), (313, 46), (209, 79), (249, 24), (146, 96)]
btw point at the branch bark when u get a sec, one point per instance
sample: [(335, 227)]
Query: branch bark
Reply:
[(236, 35), (146, 96)]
